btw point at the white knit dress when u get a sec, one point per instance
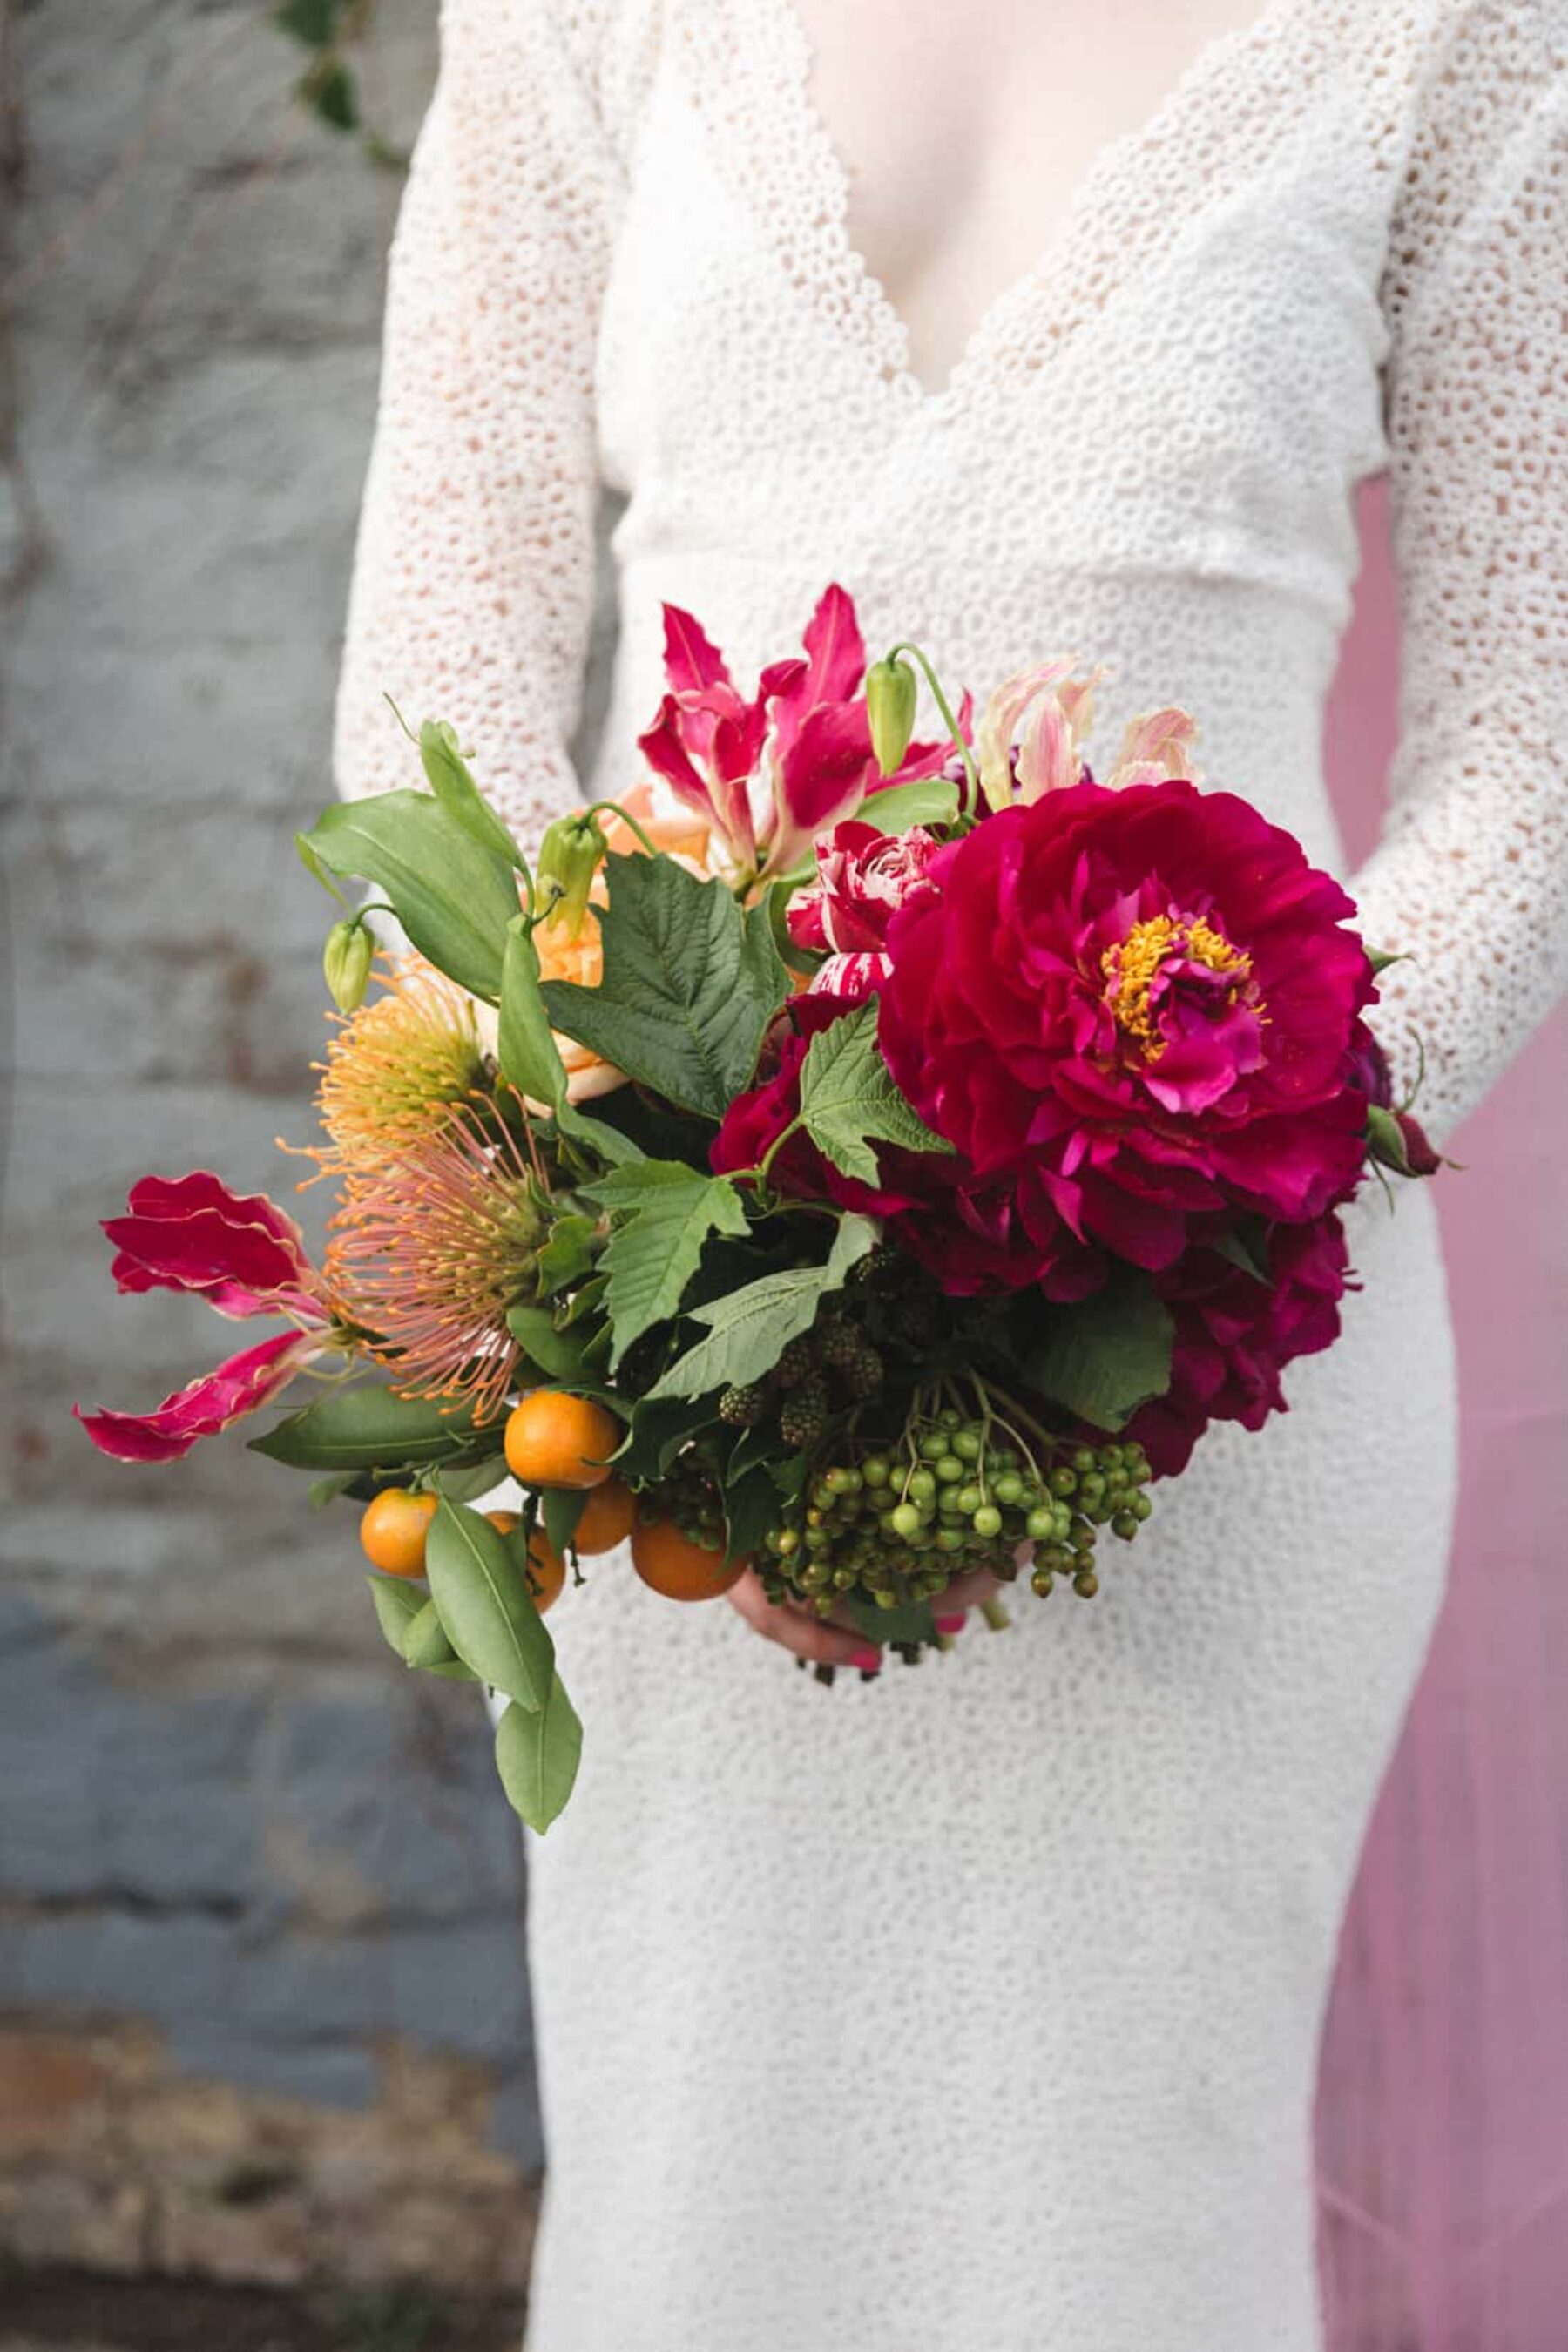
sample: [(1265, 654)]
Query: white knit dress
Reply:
[(976, 2008)]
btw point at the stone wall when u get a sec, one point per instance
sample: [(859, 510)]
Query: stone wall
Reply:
[(262, 2006)]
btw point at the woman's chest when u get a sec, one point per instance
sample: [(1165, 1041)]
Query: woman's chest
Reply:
[(1186, 358)]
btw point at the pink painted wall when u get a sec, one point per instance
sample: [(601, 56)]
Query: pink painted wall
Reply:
[(1443, 2096)]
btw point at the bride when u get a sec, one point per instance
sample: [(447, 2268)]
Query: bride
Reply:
[(979, 2007)]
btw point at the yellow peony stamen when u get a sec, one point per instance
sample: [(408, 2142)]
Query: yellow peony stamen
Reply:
[(1133, 964)]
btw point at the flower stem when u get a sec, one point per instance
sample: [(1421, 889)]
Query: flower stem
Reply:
[(949, 722), (614, 809)]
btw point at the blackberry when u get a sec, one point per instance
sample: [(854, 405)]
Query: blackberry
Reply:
[(743, 1408), (862, 1368), (798, 1361), (840, 1343), (805, 1415)]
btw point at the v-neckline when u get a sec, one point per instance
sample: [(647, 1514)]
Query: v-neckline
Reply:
[(886, 326)]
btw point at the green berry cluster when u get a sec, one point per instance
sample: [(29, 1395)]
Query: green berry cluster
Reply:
[(892, 1525), (690, 1496)]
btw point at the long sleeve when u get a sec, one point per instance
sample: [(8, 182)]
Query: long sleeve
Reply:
[(1471, 874), (473, 578)]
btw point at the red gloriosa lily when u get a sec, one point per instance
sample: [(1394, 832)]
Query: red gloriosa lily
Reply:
[(770, 772), (245, 1257)]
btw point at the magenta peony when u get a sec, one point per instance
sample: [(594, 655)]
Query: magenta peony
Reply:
[(1130, 1011)]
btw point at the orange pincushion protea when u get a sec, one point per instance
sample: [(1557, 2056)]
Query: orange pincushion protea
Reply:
[(396, 1067), (427, 1250)]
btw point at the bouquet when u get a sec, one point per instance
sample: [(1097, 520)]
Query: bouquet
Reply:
[(856, 1160)]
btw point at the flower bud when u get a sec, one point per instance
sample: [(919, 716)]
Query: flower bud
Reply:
[(568, 857), (346, 961), (891, 688)]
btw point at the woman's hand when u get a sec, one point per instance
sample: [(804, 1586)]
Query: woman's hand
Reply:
[(836, 1640)]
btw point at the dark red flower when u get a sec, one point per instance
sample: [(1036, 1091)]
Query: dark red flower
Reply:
[(1130, 1011), (1235, 1334)]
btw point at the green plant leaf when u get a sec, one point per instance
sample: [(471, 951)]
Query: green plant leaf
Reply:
[(368, 1428), (455, 788), (560, 1507), (314, 868), (750, 1508), (537, 1755), (329, 88), (1248, 1249), (665, 1212), (911, 1621), (530, 1057), (313, 22), (1106, 1355), (690, 982), (748, 1330), (847, 1098), (456, 900), (324, 1491), (928, 800), (559, 1355), (526, 1049), (467, 1484), (397, 1605), (425, 1642), (483, 1600), (567, 1254), (658, 1433)]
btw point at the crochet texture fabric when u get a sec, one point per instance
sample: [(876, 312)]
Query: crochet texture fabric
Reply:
[(979, 2006)]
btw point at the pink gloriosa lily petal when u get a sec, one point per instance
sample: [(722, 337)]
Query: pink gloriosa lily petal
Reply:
[(204, 1406)]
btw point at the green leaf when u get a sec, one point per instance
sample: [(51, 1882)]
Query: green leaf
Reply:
[(749, 1330), (1381, 958), (529, 1056), (911, 1621), (466, 1483), (455, 788), (314, 868), (425, 1642), (584, 1302), (665, 1212), (567, 1254), (537, 1755), (561, 1508), (313, 22), (482, 1595), (322, 1491), (750, 1508), (559, 1355), (455, 900), (658, 1433), (1387, 1138), (690, 982), (329, 88), (1244, 1249), (847, 1098), (929, 800), (396, 1606), (368, 1428), (1106, 1355)]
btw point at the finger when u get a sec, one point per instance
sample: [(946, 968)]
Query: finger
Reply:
[(799, 1631)]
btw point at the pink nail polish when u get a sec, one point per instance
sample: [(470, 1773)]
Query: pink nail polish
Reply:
[(950, 1624), (868, 1661)]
